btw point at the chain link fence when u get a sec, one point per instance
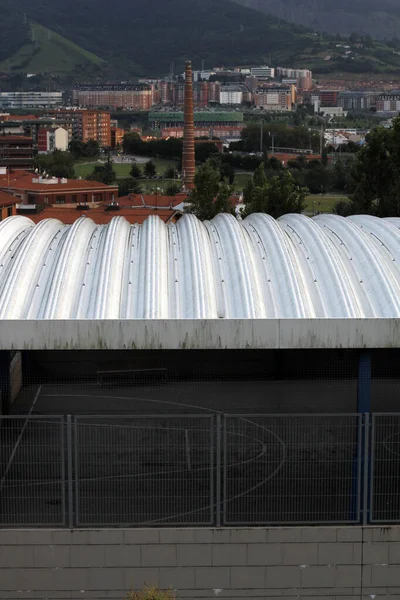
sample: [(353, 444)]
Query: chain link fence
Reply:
[(32, 471), (385, 469), (198, 470)]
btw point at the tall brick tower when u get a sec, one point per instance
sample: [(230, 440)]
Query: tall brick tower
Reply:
[(188, 159)]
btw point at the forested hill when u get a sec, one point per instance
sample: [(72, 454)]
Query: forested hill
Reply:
[(380, 20), (145, 37), (14, 31)]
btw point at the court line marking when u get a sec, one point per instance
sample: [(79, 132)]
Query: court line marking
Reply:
[(17, 443), (219, 412)]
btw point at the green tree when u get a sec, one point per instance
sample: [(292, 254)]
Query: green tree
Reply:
[(278, 196), (103, 174), (150, 169), (172, 189), (136, 171), (375, 175), (170, 173), (210, 196), (56, 164), (128, 186), (324, 157), (259, 177)]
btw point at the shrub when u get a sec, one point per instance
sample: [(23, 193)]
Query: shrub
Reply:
[(151, 593)]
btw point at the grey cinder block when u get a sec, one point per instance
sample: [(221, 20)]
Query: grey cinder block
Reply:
[(339, 553), (300, 554), (87, 556), (318, 577), (264, 554), (159, 556), (196, 555), (179, 578), (283, 577), (106, 579), (244, 578), (212, 577), (18, 557), (122, 556), (51, 556), (229, 555)]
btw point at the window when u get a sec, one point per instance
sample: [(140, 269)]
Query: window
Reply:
[(60, 199), (73, 198), (9, 211)]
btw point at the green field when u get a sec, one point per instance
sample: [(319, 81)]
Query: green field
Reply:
[(322, 203), (123, 169), (48, 52)]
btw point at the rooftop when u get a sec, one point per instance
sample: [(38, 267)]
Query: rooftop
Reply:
[(327, 267), (35, 183)]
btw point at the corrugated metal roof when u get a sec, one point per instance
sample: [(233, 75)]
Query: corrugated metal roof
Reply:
[(296, 267)]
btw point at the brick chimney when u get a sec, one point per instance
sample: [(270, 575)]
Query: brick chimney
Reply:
[(188, 158)]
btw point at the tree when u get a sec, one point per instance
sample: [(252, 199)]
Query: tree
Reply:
[(150, 169), (278, 196), (136, 171), (128, 186), (57, 164), (170, 173), (172, 189), (375, 174), (324, 157), (210, 196), (89, 149), (259, 177), (103, 174)]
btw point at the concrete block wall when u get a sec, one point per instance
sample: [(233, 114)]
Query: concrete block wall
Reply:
[(339, 563)]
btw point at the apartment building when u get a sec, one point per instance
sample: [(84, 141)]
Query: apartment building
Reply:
[(231, 94), (263, 72), (16, 152), (302, 77), (22, 100), (388, 103), (85, 124), (132, 97), (277, 99), (356, 100)]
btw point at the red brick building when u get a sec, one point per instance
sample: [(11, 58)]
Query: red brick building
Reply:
[(117, 136), (16, 152), (133, 97), (8, 206), (84, 125), (34, 190), (135, 208)]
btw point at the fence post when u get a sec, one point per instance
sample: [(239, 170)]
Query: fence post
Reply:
[(366, 475), (218, 470), (69, 473), (364, 409)]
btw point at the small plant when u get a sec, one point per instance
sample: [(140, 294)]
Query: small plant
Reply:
[(151, 593)]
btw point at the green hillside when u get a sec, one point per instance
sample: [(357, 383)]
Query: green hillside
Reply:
[(48, 52), (380, 20), (143, 38)]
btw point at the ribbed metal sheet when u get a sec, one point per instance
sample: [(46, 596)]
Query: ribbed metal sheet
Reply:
[(259, 268)]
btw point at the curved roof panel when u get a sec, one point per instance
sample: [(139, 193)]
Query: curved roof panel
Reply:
[(259, 268)]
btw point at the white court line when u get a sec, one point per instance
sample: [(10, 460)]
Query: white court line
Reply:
[(20, 438), (189, 462)]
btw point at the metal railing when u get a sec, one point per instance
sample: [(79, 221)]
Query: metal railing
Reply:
[(199, 470)]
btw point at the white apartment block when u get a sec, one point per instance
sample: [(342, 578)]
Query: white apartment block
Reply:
[(230, 95), (263, 72), (31, 99)]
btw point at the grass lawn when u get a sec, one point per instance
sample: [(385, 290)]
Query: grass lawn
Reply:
[(122, 169), (241, 180), (322, 203)]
